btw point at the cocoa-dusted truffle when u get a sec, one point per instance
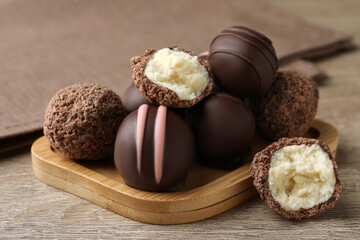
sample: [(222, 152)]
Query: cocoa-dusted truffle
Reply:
[(154, 149), (172, 77), (243, 61), (81, 121), (224, 128), (297, 177), (288, 108)]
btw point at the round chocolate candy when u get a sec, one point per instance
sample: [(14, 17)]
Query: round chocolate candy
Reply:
[(297, 177), (288, 108), (224, 128), (173, 77), (81, 121), (243, 61), (133, 99), (154, 149)]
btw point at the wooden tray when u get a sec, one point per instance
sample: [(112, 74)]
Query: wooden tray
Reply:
[(207, 191)]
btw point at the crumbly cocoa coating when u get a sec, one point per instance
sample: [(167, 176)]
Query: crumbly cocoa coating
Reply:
[(288, 108), (156, 94), (82, 120), (260, 167)]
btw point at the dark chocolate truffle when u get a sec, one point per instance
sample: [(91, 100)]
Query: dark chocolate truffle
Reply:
[(216, 88), (204, 55), (243, 61), (81, 121), (133, 99), (288, 108), (223, 127), (172, 77), (154, 149), (297, 177)]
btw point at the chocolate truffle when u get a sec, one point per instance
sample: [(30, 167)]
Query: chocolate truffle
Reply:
[(216, 88), (243, 61), (288, 108), (81, 121), (133, 99), (204, 55), (172, 77), (154, 149), (297, 177), (223, 127)]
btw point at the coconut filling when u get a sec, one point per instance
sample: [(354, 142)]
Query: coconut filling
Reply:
[(179, 72), (301, 176)]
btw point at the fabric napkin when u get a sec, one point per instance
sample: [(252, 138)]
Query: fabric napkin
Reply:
[(47, 45)]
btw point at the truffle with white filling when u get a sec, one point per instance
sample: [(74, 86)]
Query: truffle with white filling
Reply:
[(172, 77), (297, 177)]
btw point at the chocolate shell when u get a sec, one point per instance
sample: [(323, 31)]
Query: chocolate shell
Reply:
[(223, 127), (133, 99), (162, 95), (296, 186), (243, 61), (154, 149)]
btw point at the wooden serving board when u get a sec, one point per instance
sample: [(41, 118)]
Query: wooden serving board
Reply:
[(207, 191)]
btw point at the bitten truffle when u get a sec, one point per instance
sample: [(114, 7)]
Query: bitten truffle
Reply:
[(297, 177), (172, 77), (288, 108), (154, 149), (224, 128), (81, 121), (243, 61)]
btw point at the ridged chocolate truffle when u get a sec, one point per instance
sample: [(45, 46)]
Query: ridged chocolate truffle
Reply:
[(243, 61), (154, 149), (81, 121), (172, 77), (297, 177), (223, 127), (288, 108)]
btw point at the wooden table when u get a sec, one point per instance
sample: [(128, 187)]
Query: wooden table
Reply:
[(32, 209)]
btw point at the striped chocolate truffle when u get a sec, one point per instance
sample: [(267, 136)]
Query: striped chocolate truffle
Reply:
[(154, 149), (243, 61)]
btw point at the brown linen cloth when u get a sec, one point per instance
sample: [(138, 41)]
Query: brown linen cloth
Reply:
[(47, 45)]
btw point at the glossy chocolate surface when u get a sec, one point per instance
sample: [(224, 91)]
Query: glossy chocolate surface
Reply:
[(154, 149), (243, 61), (223, 127), (133, 99)]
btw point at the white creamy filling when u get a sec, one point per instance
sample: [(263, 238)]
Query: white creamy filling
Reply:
[(178, 71), (301, 176)]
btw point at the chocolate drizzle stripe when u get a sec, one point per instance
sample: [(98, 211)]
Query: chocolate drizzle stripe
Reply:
[(253, 44), (242, 57), (140, 131), (159, 140), (259, 36)]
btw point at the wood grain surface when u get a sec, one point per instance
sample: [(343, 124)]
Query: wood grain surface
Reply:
[(33, 210)]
